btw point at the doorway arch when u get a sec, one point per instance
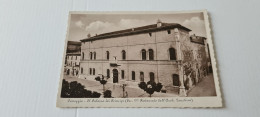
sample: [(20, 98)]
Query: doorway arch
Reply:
[(115, 76)]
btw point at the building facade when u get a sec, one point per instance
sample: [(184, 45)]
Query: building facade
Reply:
[(161, 52), (72, 60)]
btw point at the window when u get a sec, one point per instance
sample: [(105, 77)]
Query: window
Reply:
[(122, 74), (151, 77), (107, 55), (143, 54), (108, 73), (81, 70), (142, 76), (94, 71), (90, 55), (90, 71), (71, 57), (175, 80), (150, 34), (76, 57), (151, 57), (172, 54), (133, 75), (94, 55), (169, 31), (123, 55), (82, 55)]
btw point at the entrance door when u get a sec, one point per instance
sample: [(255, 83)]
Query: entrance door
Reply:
[(175, 80), (115, 76)]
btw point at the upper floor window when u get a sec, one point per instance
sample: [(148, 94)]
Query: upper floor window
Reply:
[(82, 55), (150, 34), (90, 55), (143, 52), (169, 31), (94, 55), (71, 57), (107, 52), (76, 58), (123, 55), (172, 53), (151, 56), (123, 74), (81, 70)]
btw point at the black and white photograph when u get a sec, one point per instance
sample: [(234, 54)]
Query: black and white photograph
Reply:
[(131, 55)]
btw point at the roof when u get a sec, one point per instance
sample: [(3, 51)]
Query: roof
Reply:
[(137, 30)]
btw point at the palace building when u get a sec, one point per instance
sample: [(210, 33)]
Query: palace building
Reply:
[(160, 52)]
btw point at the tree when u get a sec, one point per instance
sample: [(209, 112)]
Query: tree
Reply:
[(76, 90), (150, 87)]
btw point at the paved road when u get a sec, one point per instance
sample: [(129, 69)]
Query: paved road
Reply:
[(117, 90), (205, 88)]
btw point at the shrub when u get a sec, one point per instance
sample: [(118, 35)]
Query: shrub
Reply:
[(95, 94), (97, 78), (158, 87), (107, 94), (142, 85)]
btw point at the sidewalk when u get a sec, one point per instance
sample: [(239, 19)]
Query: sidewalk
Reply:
[(117, 91), (205, 88)]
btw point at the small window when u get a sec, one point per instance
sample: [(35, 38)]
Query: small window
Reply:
[(76, 57), (123, 55), (71, 57), (169, 31), (150, 34), (94, 71), (133, 75), (82, 55), (90, 71), (123, 74)]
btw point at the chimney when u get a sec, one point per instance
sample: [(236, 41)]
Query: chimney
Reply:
[(159, 23), (89, 35)]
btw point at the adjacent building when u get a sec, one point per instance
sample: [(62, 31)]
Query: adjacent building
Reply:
[(160, 52), (72, 60)]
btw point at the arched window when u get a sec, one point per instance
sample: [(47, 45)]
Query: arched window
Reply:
[(90, 71), (142, 76), (151, 57), (151, 77), (94, 71), (90, 55), (107, 55), (172, 54), (108, 73), (143, 54), (133, 75), (94, 55), (82, 55), (123, 55), (81, 70)]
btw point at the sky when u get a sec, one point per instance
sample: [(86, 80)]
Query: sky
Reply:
[(83, 24)]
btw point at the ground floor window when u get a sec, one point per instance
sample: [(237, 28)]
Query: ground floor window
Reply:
[(81, 70), (122, 74), (142, 76), (108, 73), (133, 75), (94, 71), (90, 71), (175, 80), (151, 77)]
